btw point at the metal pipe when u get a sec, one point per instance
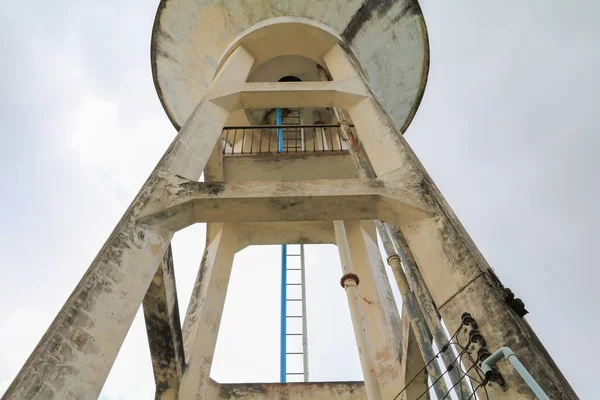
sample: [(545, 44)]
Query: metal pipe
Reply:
[(350, 284), (420, 330), (505, 352), (283, 333), (279, 122), (422, 297)]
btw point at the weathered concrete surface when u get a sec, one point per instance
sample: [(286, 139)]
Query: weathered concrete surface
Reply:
[(412, 365), (294, 391), (203, 317), (453, 268), (180, 202), (388, 38), (161, 313), (75, 355), (288, 232), (342, 94), (378, 313), (288, 167)]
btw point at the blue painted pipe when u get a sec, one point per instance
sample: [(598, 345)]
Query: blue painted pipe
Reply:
[(283, 342), (283, 339), (505, 352), (279, 122)]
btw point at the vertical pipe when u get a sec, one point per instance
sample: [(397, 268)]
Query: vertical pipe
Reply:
[(279, 130), (350, 283), (304, 322), (417, 322), (423, 303), (283, 333), (283, 339), (417, 284), (351, 287)]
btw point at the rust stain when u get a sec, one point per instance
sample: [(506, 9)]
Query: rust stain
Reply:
[(155, 248)]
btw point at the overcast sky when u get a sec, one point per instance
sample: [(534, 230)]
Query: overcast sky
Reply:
[(508, 128)]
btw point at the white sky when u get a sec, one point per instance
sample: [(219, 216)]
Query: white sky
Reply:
[(508, 128)]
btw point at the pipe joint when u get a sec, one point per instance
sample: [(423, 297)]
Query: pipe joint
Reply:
[(487, 366), (349, 277), (392, 257)]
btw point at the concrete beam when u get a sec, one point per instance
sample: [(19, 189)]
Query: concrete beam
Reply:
[(293, 391), (273, 233), (180, 202), (344, 93), (161, 312)]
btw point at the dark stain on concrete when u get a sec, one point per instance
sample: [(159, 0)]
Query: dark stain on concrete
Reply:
[(376, 184), (212, 188), (284, 204), (164, 328), (376, 9)]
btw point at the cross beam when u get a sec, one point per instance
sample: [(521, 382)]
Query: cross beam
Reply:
[(178, 202)]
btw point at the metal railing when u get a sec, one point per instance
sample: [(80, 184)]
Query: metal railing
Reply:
[(261, 139)]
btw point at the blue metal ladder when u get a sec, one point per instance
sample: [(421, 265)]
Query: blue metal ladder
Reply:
[(293, 118), (297, 281)]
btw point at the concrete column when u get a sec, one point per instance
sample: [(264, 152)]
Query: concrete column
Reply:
[(454, 270), (380, 314), (204, 313), (350, 284), (90, 328), (161, 313)]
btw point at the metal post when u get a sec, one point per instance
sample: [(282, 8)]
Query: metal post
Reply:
[(283, 335), (304, 323), (302, 147)]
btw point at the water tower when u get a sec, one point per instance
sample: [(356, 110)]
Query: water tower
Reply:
[(295, 112)]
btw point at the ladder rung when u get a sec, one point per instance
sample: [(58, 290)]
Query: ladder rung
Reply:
[(293, 299), (294, 334), (294, 269), (294, 353), (294, 373), (293, 316), (294, 284), (294, 255)]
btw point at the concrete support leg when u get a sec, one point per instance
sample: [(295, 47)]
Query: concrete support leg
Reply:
[(73, 359), (161, 312), (456, 274), (412, 367), (376, 309), (204, 313)]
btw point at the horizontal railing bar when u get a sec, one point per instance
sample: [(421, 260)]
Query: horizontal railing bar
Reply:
[(283, 126)]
